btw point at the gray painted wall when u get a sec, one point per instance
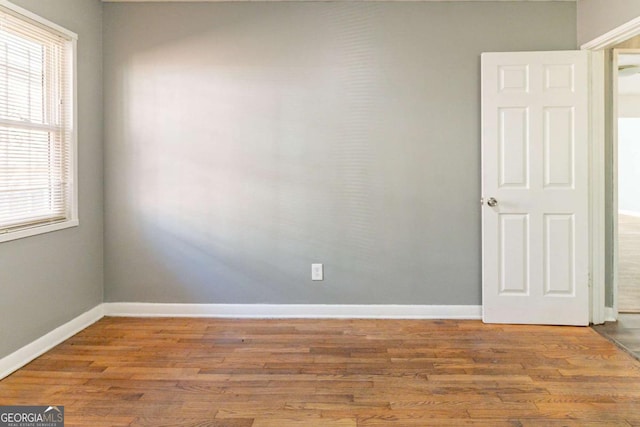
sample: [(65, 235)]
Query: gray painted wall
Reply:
[(245, 141), (597, 17), (49, 279)]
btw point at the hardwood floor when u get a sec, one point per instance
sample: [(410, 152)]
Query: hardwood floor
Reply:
[(343, 373), (628, 264)]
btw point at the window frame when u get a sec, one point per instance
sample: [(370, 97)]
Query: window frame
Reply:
[(72, 219)]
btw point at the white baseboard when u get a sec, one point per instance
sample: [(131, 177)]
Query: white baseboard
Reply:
[(609, 315), (26, 354), (282, 311), (629, 213)]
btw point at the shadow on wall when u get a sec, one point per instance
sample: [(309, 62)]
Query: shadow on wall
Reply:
[(242, 170), (246, 141)]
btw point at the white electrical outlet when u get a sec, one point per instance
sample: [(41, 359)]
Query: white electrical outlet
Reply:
[(316, 272)]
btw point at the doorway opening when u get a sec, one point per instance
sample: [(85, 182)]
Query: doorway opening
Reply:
[(626, 173), (605, 220)]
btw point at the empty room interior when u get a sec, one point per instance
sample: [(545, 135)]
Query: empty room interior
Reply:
[(319, 213), (628, 162)]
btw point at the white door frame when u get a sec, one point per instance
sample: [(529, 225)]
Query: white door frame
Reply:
[(599, 312)]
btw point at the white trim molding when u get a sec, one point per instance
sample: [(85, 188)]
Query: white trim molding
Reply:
[(37, 19), (40, 229), (26, 354), (597, 140), (610, 314), (300, 311), (615, 36)]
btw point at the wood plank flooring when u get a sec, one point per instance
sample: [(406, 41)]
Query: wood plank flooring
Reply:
[(340, 373), (628, 264)]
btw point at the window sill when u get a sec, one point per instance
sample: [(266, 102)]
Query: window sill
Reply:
[(33, 231)]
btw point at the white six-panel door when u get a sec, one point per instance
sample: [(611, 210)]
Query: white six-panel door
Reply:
[(535, 173)]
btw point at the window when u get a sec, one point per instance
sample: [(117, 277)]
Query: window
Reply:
[(38, 191)]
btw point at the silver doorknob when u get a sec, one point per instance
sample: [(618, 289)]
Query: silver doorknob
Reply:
[(492, 202)]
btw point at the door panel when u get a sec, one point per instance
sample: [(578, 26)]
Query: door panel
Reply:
[(535, 166), (514, 254), (559, 260), (559, 145), (514, 148)]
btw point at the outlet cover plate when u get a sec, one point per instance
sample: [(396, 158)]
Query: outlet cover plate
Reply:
[(317, 272)]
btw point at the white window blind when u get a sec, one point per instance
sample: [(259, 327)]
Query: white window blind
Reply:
[(36, 134)]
